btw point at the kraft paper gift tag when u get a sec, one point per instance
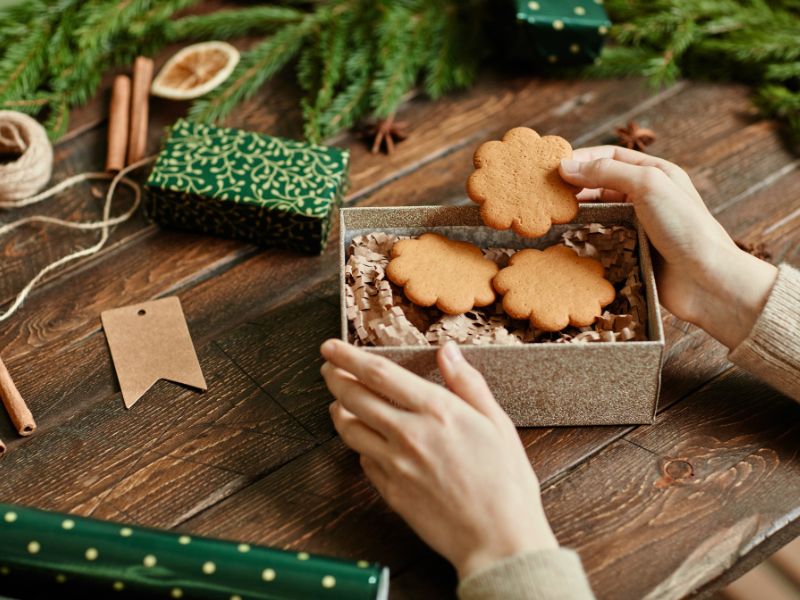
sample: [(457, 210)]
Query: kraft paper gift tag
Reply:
[(151, 341)]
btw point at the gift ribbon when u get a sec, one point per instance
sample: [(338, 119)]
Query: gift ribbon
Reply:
[(48, 555)]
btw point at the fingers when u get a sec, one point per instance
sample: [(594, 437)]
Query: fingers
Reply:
[(626, 155), (465, 380), (608, 173), (382, 376), (362, 402), (619, 153), (356, 434)]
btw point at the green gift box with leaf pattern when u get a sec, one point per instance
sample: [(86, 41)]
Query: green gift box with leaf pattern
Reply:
[(253, 187)]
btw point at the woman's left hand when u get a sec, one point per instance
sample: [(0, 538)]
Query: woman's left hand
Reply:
[(449, 462)]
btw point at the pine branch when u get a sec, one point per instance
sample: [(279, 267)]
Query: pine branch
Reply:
[(23, 67), (784, 72), (351, 100), (782, 103), (154, 25), (102, 20), (754, 42), (14, 20), (32, 106), (58, 119), (229, 24), (453, 62), (350, 105), (255, 67), (398, 57)]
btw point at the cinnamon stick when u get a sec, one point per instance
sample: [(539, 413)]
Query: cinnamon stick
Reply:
[(118, 123), (142, 78), (21, 417)]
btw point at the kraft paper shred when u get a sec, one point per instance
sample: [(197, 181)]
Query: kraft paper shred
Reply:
[(379, 314)]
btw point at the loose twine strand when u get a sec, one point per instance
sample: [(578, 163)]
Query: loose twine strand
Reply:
[(20, 180)]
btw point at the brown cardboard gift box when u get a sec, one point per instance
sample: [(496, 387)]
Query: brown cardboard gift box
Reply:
[(610, 383)]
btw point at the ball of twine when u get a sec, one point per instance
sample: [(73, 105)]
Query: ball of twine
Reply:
[(21, 180), (23, 136)]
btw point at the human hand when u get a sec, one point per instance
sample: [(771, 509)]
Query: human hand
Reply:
[(449, 462), (702, 276)]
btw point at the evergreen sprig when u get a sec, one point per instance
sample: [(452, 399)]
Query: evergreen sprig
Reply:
[(257, 65), (359, 58), (54, 52), (753, 41), (232, 23), (354, 58)]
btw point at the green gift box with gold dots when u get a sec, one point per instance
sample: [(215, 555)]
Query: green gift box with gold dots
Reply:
[(248, 186), (52, 555), (555, 32)]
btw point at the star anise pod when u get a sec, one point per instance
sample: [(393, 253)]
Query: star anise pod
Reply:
[(635, 137), (385, 133)]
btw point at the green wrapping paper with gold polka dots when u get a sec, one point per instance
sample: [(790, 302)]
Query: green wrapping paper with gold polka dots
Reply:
[(249, 186), (558, 32), (51, 555)]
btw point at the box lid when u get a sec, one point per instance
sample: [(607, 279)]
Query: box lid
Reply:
[(238, 166)]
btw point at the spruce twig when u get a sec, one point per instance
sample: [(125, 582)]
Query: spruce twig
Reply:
[(754, 42), (232, 23), (256, 66), (356, 57)]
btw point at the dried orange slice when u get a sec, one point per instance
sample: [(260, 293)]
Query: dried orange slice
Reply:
[(195, 70)]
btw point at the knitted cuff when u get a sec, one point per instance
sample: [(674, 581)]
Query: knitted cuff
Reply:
[(541, 575), (772, 350)]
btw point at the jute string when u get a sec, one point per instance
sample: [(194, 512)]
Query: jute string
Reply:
[(21, 179)]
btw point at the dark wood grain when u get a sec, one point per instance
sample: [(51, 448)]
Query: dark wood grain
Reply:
[(699, 489), (256, 458)]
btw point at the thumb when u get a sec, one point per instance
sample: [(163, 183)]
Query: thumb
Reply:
[(465, 381), (606, 173)]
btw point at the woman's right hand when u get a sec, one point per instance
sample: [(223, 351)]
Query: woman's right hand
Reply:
[(703, 277)]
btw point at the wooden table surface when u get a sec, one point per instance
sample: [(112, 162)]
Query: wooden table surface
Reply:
[(659, 511)]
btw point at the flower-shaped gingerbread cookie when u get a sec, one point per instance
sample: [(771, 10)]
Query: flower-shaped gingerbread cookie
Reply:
[(436, 270), (517, 183), (554, 288)]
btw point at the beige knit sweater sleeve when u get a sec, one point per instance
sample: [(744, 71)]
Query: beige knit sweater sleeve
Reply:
[(772, 350), (542, 575)]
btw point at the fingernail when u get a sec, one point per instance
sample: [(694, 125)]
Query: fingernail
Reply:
[(328, 347), (569, 166), (452, 353)]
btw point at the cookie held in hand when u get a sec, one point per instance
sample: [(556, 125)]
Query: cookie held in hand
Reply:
[(554, 288), (436, 270), (517, 183)]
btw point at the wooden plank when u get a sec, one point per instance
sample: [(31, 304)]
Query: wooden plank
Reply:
[(690, 363), (194, 448), (82, 297), (276, 111), (24, 254), (493, 101), (214, 289), (725, 155), (681, 501), (616, 508), (222, 289)]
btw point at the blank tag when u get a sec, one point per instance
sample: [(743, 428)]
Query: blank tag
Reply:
[(148, 342)]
